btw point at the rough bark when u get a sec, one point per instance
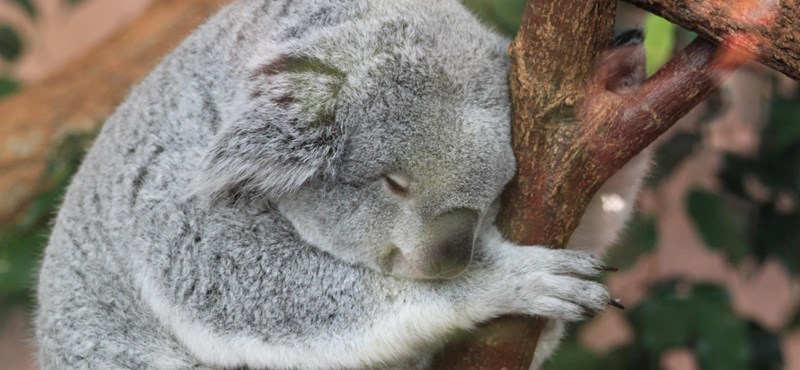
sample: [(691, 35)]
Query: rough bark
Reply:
[(767, 29), (83, 93)]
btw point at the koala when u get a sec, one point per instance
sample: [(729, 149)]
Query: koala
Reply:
[(308, 184)]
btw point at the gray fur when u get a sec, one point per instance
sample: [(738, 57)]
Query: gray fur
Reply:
[(233, 212)]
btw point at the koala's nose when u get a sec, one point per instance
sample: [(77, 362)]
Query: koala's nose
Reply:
[(452, 235)]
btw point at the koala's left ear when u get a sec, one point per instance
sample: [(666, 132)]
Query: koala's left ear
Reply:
[(283, 133)]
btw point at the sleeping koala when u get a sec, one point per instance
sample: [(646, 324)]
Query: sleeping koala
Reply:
[(307, 184)]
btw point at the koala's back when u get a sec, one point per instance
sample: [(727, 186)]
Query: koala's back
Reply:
[(128, 205), (90, 315)]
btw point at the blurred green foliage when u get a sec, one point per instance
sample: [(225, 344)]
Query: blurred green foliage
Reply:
[(26, 5), (659, 41), (8, 85), (696, 317), (773, 230), (573, 356), (721, 226), (10, 43), (640, 237), (22, 241), (503, 15)]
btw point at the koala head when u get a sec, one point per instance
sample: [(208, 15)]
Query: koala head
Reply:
[(385, 143)]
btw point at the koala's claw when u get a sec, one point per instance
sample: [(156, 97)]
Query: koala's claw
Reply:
[(571, 298), (568, 262), (609, 269), (616, 302), (554, 308), (556, 285), (563, 297)]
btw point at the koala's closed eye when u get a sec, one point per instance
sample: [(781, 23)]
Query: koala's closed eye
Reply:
[(397, 184)]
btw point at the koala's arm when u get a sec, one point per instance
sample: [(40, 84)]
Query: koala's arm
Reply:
[(385, 322)]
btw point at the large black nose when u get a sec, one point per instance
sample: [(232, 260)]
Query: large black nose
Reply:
[(451, 237)]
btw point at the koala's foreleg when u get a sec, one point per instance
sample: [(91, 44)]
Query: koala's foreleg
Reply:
[(388, 322), (503, 279)]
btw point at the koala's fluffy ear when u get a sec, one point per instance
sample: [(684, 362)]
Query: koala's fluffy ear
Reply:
[(283, 132)]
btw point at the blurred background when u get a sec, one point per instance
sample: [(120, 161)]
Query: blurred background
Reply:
[(709, 264)]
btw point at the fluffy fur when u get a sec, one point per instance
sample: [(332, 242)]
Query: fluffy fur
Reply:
[(235, 212)]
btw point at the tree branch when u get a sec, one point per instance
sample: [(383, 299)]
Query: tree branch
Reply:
[(767, 29), (643, 115)]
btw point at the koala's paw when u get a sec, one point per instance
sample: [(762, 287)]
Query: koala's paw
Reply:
[(553, 284)]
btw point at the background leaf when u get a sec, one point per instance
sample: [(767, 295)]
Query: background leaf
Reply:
[(721, 226), (659, 41), (10, 43), (8, 86), (777, 235), (765, 349), (774, 232), (638, 238), (783, 128), (698, 317), (26, 5), (502, 15)]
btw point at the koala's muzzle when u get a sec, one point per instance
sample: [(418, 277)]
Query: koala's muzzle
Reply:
[(449, 238)]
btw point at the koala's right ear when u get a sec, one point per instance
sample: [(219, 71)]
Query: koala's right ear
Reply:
[(282, 133)]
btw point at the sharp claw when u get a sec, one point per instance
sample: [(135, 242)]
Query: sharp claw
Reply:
[(616, 303)]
